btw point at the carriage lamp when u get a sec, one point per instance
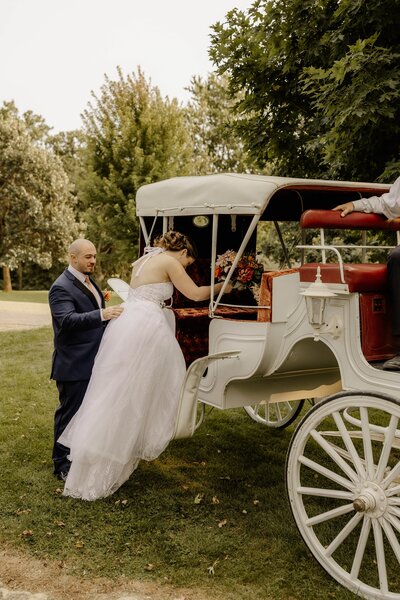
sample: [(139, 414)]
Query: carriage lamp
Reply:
[(316, 295)]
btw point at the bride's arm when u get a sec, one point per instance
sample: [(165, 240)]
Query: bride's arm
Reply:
[(187, 286)]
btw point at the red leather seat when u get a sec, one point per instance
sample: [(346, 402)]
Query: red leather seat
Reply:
[(331, 219), (361, 277)]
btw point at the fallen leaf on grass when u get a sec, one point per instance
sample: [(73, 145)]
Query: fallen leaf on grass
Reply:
[(79, 544), (149, 567), (215, 500), (256, 502), (58, 491), (244, 511), (198, 498), (22, 511), (59, 523), (211, 569), (222, 523), (27, 533)]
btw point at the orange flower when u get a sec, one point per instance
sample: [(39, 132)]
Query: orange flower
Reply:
[(107, 295)]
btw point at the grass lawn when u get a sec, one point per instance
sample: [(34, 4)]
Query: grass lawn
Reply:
[(40, 296), (216, 500)]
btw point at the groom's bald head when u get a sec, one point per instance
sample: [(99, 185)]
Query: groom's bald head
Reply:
[(82, 256)]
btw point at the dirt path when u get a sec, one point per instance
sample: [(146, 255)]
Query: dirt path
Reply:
[(23, 315), (50, 581)]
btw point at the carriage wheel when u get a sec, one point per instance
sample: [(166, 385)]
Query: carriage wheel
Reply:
[(343, 483), (275, 414)]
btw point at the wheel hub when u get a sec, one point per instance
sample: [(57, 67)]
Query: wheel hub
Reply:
[(370, 499)]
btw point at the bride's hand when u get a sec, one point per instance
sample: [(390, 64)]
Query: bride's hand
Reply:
[(228, 288)]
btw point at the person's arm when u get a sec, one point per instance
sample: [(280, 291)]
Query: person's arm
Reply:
[(187, 286), (387, 204), (63, 310)]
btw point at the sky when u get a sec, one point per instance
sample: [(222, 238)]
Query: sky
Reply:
[(53, 53)]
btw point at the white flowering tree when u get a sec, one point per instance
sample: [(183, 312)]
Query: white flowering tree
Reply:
[(37, 220)]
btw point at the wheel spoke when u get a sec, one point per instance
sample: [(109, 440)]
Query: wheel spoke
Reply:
[(334, 455), (393, 491), (393, 510), (392, 475), (394, 521), (342, 535), (394, 501), (387, 447), (325, 493), (391, 536), (267, 411), (349, 444), (278, 412), (369, 459), (360, 550), (326, 472), (380, 555), (330, 514)]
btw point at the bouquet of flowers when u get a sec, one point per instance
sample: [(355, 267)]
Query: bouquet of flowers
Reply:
[(247, 273)]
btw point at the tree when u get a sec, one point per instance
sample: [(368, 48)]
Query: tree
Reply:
[(133, 137), (37, 221), (211, 118), (320, 84)]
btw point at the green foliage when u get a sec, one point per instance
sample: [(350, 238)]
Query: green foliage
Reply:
[(37, 221), (133, 137), (241, 525), (359, 98), (211, 120), (320, 84)]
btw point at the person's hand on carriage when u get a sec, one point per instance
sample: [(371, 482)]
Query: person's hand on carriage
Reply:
[(346, 208)]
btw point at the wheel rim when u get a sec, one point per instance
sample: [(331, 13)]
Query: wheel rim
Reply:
[(343, 483), (275, 414)]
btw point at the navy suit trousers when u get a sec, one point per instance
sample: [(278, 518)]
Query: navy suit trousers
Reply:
[(71, 394)]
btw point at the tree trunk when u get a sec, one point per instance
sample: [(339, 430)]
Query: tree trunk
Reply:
[(7, 287)]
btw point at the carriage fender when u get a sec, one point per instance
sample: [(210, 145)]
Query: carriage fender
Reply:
[(185, 425)]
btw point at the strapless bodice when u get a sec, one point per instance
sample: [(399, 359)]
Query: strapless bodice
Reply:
[(153, 292)]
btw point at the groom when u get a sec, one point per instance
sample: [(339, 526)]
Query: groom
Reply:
[(79, 318)]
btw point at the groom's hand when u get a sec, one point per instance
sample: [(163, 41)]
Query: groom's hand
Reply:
[(112, 312)]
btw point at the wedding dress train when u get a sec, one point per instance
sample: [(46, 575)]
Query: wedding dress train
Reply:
[(131, 403)]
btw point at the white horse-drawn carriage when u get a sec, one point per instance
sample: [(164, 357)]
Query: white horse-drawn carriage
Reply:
[(320, 333)]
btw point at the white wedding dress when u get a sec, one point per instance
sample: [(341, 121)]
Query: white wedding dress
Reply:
[(131, 404)]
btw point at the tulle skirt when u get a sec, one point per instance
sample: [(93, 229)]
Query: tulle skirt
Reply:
[(131, 403)]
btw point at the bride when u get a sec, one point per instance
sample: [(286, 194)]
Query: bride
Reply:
[(131, 403)]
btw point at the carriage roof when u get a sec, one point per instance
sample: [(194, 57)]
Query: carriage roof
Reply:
[(232, 193)]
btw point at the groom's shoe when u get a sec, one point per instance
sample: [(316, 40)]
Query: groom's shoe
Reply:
[(393, 364), (62, 475)]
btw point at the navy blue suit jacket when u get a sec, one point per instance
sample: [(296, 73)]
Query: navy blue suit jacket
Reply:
[(78, 328)]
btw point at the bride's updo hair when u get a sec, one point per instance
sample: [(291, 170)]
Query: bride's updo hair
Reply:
[(175, 241)]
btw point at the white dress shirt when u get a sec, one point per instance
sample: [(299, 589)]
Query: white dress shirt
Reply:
[(388, 204), (82, 277)]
